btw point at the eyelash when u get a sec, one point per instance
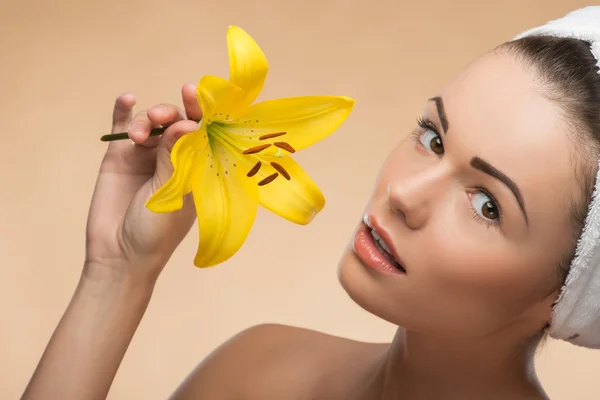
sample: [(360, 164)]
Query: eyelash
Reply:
[(426, 124)]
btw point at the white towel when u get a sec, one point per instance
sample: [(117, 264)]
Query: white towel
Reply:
[(576, 314)]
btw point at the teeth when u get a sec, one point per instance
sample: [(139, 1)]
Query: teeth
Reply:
[(385, 250), (381, 242)]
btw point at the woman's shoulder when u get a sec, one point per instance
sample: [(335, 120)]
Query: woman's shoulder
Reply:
[(271, 358), (286, 343)]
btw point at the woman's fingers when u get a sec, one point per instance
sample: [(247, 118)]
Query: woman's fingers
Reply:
[(165, 114), (164, 167), (122, 112), (190, 102), (144, 121), (177, 130), (140, 125)]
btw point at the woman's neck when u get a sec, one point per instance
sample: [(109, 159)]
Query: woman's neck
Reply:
[(420, 367)]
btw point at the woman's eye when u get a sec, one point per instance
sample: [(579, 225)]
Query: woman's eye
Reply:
[(432, 141), (485, 206)]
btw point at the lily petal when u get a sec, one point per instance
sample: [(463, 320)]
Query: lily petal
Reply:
[(298, 199), (220, 99), (305, 120), (226, 204), (248, 65), (187, 157)]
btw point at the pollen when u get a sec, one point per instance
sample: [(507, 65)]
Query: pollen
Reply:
[(271, 135), (254, 169), (256, 149), (279, 168), (285, 146), (268, 179)]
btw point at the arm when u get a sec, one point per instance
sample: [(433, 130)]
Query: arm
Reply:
[(127, 246), (85, 352), (91, 339)]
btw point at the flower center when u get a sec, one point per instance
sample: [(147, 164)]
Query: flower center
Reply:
[(214, 130), (280, 170)]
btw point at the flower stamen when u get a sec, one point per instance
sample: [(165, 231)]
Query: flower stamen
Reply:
[(271, 135), (256, 149), (254, 170), (279, 168), (285, 146), (268, 179)]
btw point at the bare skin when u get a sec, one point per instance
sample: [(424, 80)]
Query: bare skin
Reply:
[(283, 362), (471, 310)]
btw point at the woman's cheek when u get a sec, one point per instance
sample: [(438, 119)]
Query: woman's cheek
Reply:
[(464, 252)]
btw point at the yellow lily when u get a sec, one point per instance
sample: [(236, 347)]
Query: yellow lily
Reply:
[(239, 156)]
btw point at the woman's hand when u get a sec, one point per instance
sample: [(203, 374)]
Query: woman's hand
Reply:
[(123, 236), (127, 247)]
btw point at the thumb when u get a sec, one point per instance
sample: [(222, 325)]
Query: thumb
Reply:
[(164, 166)]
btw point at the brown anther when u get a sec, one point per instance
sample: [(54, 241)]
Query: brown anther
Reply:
[(268, 179), (254, 169), (271, 135), (257, 149), (279, 168), (285, 146)]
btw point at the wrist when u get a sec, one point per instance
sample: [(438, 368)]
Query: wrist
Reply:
[(91, 339), (115, 278)]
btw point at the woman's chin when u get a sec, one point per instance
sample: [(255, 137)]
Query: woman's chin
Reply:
[(365, 289)]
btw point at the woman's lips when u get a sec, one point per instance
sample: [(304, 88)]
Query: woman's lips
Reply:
[(372, 254), (372, 223)]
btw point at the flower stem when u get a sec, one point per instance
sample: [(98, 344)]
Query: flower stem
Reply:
[(124, 135)]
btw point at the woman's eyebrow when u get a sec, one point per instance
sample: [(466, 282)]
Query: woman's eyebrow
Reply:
[(489, 169), (483, 165), (441, 113)]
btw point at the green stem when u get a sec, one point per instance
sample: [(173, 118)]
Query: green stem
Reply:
[(124, 135)]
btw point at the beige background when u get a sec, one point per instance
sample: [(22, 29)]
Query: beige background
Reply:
[(63, 63)]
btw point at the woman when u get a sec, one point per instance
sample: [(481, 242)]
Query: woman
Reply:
[(465, 244)]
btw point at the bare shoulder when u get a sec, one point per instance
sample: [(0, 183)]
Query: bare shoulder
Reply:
[(272, 361)]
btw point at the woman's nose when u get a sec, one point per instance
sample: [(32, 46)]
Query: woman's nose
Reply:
[(411, 198)]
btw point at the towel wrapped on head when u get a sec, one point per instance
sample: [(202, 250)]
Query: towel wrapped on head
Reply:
[(576, 313)]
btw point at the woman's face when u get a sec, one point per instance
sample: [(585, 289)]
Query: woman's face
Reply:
[(475, 206)]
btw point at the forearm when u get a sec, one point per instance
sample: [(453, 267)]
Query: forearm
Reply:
[(91, 339)]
